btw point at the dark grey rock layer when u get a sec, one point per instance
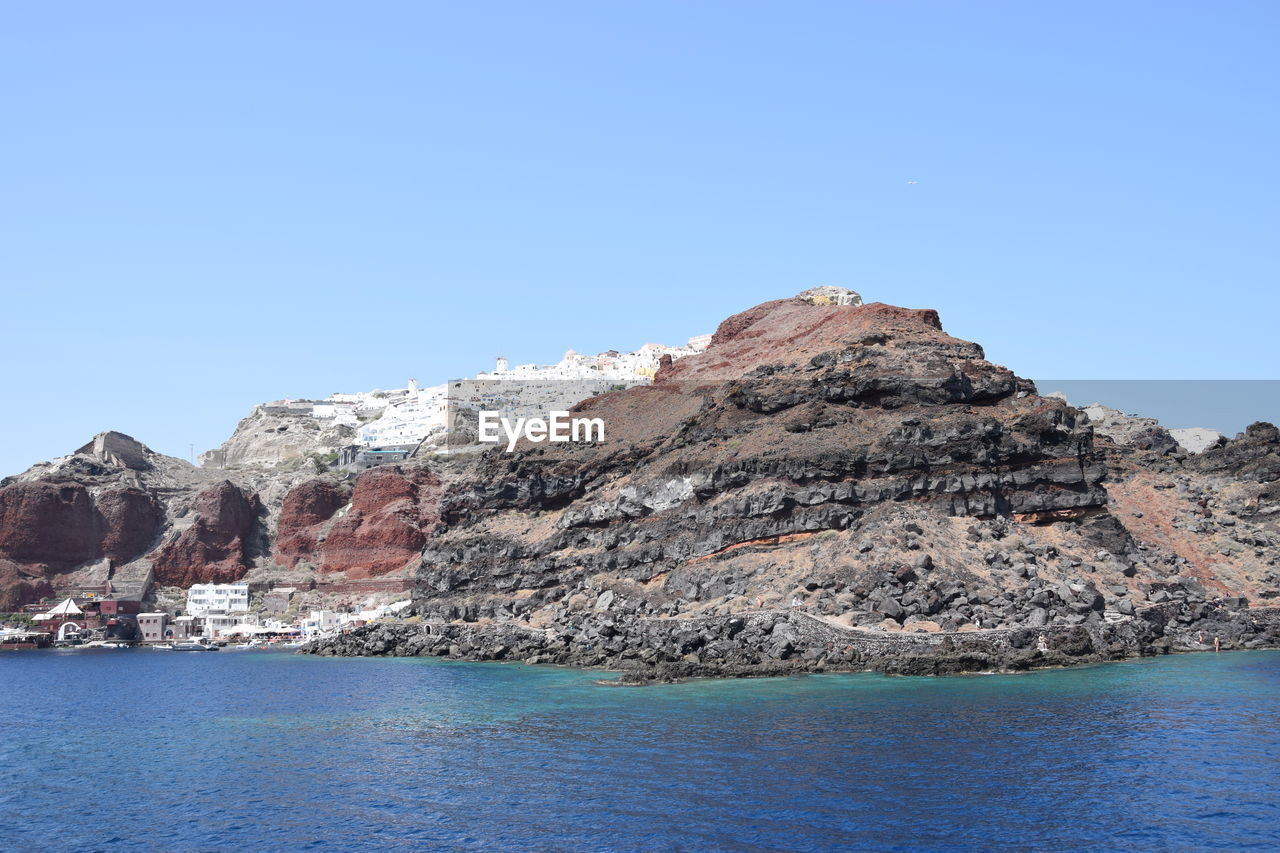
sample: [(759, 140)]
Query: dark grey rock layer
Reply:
[(767, 643)]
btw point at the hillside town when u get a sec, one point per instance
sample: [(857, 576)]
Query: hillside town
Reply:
[(378, 427), (214, 615)]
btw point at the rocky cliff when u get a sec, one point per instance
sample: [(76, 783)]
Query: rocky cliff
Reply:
[(116, 513), (307, 512), (219, 544), (278, 438), (856, 464), (828, 477), (857, 459), (390, 513)]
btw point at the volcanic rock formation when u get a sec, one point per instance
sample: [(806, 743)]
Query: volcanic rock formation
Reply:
[(277, 438), (393, 510), (218, 546), (63, 525), (829, 485), (860, 466), (305, 516)]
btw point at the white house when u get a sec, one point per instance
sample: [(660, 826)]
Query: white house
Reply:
[(205, 598), (321, 622)]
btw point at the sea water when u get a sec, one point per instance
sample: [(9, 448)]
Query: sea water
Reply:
[(150, 750)]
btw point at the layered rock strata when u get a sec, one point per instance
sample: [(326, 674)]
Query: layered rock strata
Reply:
[(857, 465), (823, 463)]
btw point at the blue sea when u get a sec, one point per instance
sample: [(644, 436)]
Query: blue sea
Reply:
[(145, 750)]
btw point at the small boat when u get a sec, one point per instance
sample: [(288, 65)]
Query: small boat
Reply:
[(199, 644)]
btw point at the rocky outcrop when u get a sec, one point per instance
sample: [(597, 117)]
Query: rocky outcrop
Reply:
[(132, 518), (118, 450), (763, 643), (62, 525), (304, 518), (1130, 431), (19, 586), (50, 523), (90, 517), (829, 295), (853, 461), (114, 511), (220, 542), (766, 463), (278, 437), (1252, 455), (393, 510), (1197, 439)]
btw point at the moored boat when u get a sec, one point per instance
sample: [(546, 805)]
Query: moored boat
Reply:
[(197, 644)]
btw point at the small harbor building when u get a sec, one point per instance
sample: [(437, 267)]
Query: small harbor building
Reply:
[(151, 626)]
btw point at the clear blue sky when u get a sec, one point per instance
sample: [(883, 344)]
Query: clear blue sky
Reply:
[(204, 206)]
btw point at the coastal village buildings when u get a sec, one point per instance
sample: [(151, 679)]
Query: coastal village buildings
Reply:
[(321, 622), (219, 607), (413, 413), (151, 626), (21, 638), (391, 424), (66, 622), (206, 598), (220, 624), (85, 616)]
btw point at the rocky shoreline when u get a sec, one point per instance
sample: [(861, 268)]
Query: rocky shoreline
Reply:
[(787, 642)]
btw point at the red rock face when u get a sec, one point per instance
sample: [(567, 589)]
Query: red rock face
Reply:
[(307, 508), (61, 525), (19, 587), (215, 548), (54, 524), (790, 331), (131, 520), (392, 512)]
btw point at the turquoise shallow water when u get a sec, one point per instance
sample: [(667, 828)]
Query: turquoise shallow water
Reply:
[(256, 751)]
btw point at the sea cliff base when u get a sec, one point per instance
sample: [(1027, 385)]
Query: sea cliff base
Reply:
[(785, 642)]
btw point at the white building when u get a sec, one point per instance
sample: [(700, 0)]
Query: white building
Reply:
[(220, 624), (321, 622), (206, 598), (403, 417), (152, 625), (526, 390), (409, 418), (624, 367)]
